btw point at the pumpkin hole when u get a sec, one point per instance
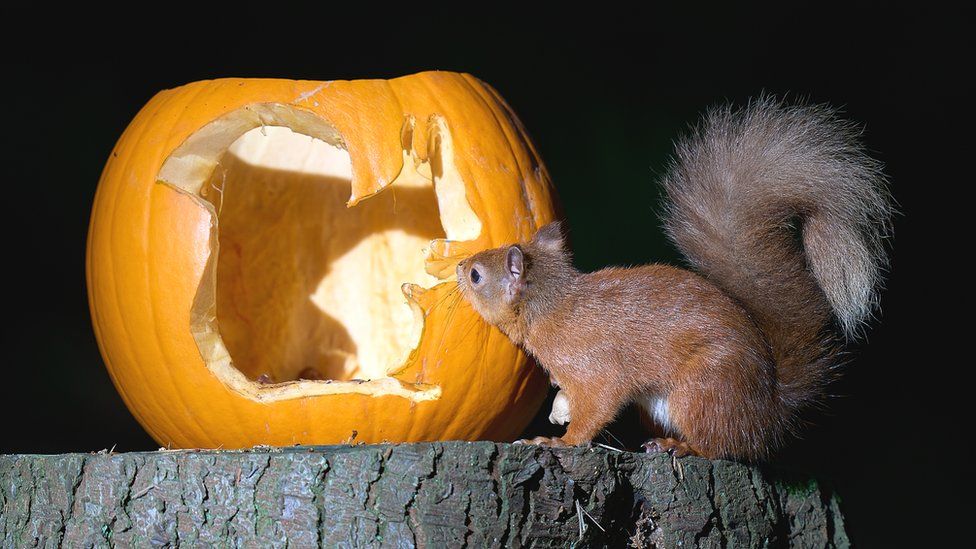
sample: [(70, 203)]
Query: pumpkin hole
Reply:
[(304, 290), (307, 288)]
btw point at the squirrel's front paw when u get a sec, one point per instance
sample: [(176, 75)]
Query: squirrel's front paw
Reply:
[(554, 442)]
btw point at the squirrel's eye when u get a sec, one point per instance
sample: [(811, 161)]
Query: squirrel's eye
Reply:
[(475, 276)]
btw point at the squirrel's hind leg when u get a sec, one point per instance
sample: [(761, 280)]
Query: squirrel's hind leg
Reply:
[(724, 405)]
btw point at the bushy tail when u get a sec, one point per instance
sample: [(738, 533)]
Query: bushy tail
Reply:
[(781, 207)]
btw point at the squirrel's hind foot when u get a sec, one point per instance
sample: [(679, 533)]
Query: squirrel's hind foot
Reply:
[(675, 447)]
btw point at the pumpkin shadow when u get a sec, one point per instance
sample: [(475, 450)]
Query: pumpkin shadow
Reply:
[(280, 234)]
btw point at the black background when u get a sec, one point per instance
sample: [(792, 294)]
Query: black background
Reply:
[(603, 94)]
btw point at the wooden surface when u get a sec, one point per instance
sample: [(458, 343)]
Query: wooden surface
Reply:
[(446, 494)]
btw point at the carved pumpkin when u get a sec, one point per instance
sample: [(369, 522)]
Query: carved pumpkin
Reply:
[(272, 261)]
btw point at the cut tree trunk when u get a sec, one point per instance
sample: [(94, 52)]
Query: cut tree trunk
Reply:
[(444, 494)]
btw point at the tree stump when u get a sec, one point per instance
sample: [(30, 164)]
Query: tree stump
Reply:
[(443, 494)]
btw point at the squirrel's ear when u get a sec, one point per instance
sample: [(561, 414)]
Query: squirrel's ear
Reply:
[(515, 265), (515, 262), (550, 237)]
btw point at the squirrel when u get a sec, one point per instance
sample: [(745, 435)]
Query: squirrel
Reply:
[(783, 218)]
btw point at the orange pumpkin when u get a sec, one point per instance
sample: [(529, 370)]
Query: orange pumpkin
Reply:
[(272, 261)]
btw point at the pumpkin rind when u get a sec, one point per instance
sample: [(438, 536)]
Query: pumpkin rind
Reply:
[(149, 244)]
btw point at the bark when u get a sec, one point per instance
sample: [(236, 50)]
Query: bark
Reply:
[(445, 494)]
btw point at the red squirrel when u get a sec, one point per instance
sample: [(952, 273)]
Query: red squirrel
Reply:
[(782, 216)]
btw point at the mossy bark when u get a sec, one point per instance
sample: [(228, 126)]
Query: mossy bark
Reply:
[(448, 494)]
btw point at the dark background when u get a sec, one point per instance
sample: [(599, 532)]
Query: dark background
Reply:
[(603, 95)]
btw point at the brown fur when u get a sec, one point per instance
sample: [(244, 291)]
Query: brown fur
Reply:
[(739, 350)]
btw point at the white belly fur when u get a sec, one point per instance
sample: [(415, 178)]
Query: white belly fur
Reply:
[(656, 408)]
